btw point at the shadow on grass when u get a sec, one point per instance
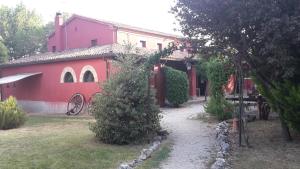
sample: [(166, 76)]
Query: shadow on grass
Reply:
[(59, 142), (269, 149), (33, 120)]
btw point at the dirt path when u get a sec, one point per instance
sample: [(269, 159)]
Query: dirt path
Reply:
[(193, 139)]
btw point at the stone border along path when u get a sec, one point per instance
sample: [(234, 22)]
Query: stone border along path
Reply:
[(222, 145), (193, 140), (145, 154)]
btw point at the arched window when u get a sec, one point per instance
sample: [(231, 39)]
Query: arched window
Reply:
[(88, 77), (88, 74), (68, 75), (68, 78)]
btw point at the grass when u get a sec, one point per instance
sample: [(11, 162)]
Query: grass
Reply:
[(59, 142), (160, 155), (35, 120), (269, 149)]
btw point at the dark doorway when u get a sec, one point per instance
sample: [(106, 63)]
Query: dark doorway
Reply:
[(201, 86)]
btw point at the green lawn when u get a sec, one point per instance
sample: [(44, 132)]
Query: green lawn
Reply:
[(58, 143)]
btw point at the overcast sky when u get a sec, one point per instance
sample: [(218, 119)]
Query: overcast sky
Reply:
[(151, 14)]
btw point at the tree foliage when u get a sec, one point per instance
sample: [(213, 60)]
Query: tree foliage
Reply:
[(3, 53), (22, 31), (265, 34), (156, 56)]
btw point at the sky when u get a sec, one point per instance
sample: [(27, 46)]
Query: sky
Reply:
[(150, 14)]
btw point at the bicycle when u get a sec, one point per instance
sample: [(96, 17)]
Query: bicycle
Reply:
[(77, 102)]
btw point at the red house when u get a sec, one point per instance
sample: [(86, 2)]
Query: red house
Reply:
[(79, 57), (82, 32)]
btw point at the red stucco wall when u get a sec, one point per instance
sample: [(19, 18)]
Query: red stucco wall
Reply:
[(78, 33), (47, 87)]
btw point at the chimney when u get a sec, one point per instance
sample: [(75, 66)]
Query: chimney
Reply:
[(58, 31), (58, 19)]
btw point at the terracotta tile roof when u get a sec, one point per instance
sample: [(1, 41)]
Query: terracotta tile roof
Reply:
[(74, 54), (106, 51)]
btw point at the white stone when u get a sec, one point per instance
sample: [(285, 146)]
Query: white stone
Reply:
[(157, 138), (125, 166), (222, 145), (219, 164), (225, 147), (145, 153), (155, 145), (220, 154)]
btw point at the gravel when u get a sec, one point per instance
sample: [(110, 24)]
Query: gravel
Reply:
[(193, 139)]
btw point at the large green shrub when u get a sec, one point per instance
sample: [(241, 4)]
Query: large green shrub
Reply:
[(11, 116), (285, 95), (288, 95), (176, 86), (125, 111), (217, 73)]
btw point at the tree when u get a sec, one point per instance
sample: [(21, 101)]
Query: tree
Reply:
[(3, 53), (22, 31), (125, 111), (262, 33), (47, 30)]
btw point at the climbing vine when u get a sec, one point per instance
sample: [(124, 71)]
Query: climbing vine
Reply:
[(217, 72), (154, 58)]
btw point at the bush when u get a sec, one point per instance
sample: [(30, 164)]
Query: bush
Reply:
[(220, 108), (176, 86), (11, 116), (125, 111)]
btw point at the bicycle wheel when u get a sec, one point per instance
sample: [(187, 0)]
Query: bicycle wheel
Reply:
[(75, 104)]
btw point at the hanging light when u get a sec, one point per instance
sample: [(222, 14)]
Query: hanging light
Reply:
[(188, 65)]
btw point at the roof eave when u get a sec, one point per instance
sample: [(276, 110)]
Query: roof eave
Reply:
[(107, 55)]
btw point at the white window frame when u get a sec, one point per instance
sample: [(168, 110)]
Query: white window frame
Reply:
[(66, 70), (88, 68)]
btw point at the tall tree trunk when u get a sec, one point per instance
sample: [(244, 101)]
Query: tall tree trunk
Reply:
[(241, 80), (205, 91), (285, 129)]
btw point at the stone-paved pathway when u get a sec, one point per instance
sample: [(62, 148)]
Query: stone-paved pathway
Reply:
[(193, 139)]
